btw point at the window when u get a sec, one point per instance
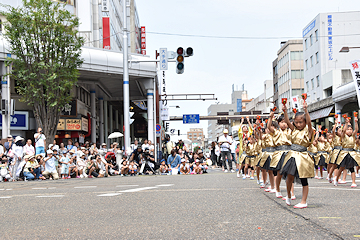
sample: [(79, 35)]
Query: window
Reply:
[(297, 74), (317, 81), (317, 57), (276, 89), (316, 35), (307, 86), (306, 65), (311, 40), (312, 83), (311, 61), (328, 92), (306, 46), (296, 55), (298, 91)]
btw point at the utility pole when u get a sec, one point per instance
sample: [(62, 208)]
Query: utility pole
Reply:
[(5, 101), (126, 79)]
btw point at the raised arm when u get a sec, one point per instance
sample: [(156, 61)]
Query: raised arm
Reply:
[(269, 123), (250, 127), (308, 120), (286, 118), (356, 127), (347, 121)]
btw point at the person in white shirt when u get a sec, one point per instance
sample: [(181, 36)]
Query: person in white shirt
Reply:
[(134, 145), (233, 152), (145, 145), (40, 142), (225, 141), (50, 169), (29, 148)]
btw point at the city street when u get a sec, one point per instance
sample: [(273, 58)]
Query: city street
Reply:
[(210, 206)]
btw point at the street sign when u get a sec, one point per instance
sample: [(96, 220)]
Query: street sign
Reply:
[(163, 59), (191, 118), (172, 131), (164, 112), (158, 130)]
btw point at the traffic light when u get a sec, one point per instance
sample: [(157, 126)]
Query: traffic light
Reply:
[(180, 60), (189, 52)]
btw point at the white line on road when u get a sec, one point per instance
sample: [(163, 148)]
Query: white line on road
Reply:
[(39, 188), (86, 187), (50, 196), (338, 188), (109, 194), (165, 185), (138, 189), (127, 185), (5, 197)]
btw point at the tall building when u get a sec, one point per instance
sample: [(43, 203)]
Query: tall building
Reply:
[(264, 102), (326, 69), (239, 99), (288, 71), (195, 134)]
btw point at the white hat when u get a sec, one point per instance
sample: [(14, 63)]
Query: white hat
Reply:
[(9, 136), (183, 160), (103, 144), (51, 145), (81, 154), (49, 152), (226, 131), (18, 138)]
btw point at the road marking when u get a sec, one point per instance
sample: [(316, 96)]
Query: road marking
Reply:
[(5, 197), (50, 196), (8, 189), (338, 188), (331, 217), (86, 187), (39, 188), (138, 189), (127, 185), (109, 194), (165, 185), (357, 236)]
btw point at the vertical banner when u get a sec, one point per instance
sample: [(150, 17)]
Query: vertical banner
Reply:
[(355, 70), (295, 102), (106, 33), (143, 41)]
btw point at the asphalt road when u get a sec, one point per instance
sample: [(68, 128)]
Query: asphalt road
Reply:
[(210, 206)]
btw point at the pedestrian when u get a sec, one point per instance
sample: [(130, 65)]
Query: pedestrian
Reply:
[(225, 141), (40, 142)]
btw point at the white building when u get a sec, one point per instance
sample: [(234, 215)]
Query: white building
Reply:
[(264, 101), (325, 68)]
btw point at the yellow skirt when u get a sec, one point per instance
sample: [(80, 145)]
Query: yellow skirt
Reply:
[(333, 156), (276, 158), (343, 154), (304, 163), (317, 158), (264, 157)]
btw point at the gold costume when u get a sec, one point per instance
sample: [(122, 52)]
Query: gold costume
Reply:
[(250, 151), (304, 163), (348, 143), (258, 152), (322, 148), (336, 145), (267, 142), (280, 138)]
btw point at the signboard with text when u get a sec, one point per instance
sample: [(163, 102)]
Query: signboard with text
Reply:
[(355, 70), (106, 33), (84, 124), (18, 121), (191, 118), (73, 124), (143, 41)]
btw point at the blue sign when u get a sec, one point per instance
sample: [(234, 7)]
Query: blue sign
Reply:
[(309, 28), (191, 118), (239, 105), (18, 121)]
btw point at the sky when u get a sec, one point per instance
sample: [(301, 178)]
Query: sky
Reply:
[(218, 63)]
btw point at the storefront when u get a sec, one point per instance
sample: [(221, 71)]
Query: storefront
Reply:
[(346, 101), (77, 129)]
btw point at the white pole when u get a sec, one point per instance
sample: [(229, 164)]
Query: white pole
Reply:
[(4, 94), (150, 112), (101, 132), (154, 109), (126, 80)]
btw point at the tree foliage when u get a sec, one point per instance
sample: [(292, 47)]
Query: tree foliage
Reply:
[(44, 39)]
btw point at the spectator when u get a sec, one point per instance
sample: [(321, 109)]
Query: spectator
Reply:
[(70, 146), (55, 146), (213, 155), (225, 142), (134, 145), (202, 161), (163, 167), (76, 144), (65, 162), (151, 147), (17, 149), (233, 152), (40, 142), (50, 167), (90, 169), (197, 167), (218, 157), (169, 146), (8, 144), (110, 166), (173, 162), (180, 145), (1, 150), (29, 148), (99, 166), (32, 169), (4, 169), (145, 145), (132, 168), (63, 150), (184, 168), (124, 170), (72, 167), (80, 164), (103, 147), (135, 155)]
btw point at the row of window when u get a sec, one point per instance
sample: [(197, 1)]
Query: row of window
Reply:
[(312, 61), (310, 40), (283, 60), (285, 77), (313, 83)]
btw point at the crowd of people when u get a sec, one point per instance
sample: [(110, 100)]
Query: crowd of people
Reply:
[(293, 150)]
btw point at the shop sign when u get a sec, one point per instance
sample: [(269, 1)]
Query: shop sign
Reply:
[(84, 124), (355, 70), (18, 121), (61, 124), (73, 124)]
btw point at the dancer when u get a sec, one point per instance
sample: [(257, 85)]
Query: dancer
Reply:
[(264, 163), (282, 142), (348, 157), (336, 145), (298, 163), (322, 156), (243, 134)]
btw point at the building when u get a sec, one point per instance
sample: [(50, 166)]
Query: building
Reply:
[(239, 99), (288, 74), (327, 71), (195, 134), (264, 102)]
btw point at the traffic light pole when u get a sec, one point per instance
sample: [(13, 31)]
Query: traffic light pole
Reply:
[(126, 80)]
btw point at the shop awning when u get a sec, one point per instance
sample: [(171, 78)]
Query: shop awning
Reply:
[(321, 113)]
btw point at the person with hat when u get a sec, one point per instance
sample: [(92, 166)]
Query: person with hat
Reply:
[(40, 142), (163, 167), (135, 155), (225, 141), (197, 167), (184, 168), (50, 168), (65, 162), (31, 169), (80, 164), (103, 147), (4, 169)]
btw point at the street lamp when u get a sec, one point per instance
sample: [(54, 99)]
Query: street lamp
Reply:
[(347, 49)]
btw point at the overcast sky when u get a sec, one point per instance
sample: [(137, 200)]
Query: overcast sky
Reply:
[(219, 63)]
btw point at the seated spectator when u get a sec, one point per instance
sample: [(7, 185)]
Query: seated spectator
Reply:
[(65, 162), (110, 167), (99, 166), (149, 160), (5, 173), (132, 168), (50, 168), (135, 155), (103, 147), (202, 160), (20, 169), (163, 167), (32, 169), (173, 162), (72, 168), (197, 167), (81, 165), (184, 167), (124, 170), (90, 169)]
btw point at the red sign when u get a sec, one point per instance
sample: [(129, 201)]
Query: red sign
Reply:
[(106, 33), (143, 41)]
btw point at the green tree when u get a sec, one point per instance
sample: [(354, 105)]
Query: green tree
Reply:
[(46, 47)]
